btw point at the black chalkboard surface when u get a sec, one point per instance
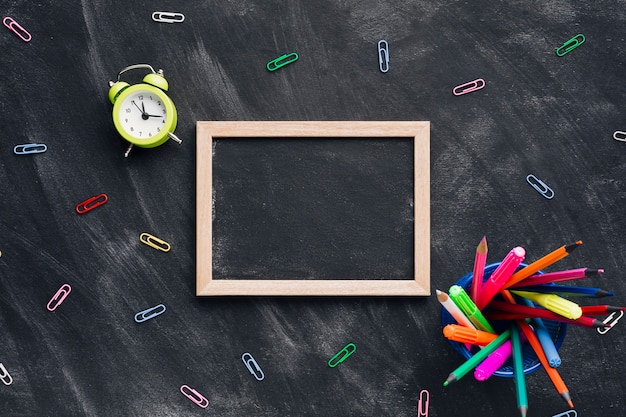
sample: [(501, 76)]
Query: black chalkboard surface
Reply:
[(539, 113)]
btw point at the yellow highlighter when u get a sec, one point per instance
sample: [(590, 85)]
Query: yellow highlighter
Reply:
[(554, 303)]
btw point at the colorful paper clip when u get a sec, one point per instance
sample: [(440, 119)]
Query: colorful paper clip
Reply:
[(252, 366), (611, 321), (570, 45), (570, 413), (28, 148), (197, 398), (383, 55), (468, 87), (540, 186), (422, 404), (91, 203), (5, 377), (168, 17), (58, 298), (15, 27), (619, 135), (281, 61), (154, 242), (150, 313), (342, 355)]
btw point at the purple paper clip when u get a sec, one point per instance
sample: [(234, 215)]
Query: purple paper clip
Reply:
[(58, 298), (197, 398), (477, 84), (15, 27)]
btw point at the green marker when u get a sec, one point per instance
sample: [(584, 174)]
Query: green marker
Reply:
[(467, 306), (478, 357)]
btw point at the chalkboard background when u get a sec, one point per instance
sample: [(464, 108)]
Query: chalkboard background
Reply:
[(538, 114)]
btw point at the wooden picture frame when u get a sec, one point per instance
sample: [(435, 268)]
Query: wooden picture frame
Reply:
[(207, 131)]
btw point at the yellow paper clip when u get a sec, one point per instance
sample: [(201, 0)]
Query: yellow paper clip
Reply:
[(5, 377), (570, 45), (611, 320), (540, 186), (154, 242), (281, 61), (619, 136), (422, 404), (342, 355), (15, 27)]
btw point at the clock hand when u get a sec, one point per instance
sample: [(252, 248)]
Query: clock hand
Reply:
[(144, 115)]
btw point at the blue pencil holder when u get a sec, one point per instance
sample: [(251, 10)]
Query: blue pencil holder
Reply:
[(556, 329)]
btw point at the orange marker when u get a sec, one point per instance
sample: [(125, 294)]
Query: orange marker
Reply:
[(464, 334)]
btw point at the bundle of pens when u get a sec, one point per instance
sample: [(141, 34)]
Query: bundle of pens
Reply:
[(509, 318)]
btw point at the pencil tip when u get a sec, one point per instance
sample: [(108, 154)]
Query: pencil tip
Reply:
[(570, 403), (570, 248), (523, 410)]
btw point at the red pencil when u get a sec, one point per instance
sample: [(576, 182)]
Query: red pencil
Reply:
[(547, 315), (479, 268), (602, 309), (567, 275)]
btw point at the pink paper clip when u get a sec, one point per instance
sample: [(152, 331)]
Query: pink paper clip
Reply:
[(197, 398), (477, 84), (422, 404), (91, 203), (58, 298), (15, 27)]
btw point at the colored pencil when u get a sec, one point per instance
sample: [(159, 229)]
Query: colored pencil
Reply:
[(547, 260), (567, 275), (479, 268), (518, 371), (546, 315), (570, 290), (454, 311), (601, 309)]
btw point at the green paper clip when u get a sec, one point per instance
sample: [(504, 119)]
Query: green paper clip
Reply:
[(342, 355), (281, 61), (570, 45)]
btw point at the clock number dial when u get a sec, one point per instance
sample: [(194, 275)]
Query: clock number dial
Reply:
[(143, 114)]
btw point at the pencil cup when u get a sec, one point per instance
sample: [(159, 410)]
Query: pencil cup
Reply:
[(557, 331)]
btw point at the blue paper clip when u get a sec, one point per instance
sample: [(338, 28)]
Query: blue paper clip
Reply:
[(29, 148), (4, 375), (342, 355), (611, 321), (570, 413), (149, 313), (252, 366), (383, 55), (281, 61), (540, 186), (570, 45)]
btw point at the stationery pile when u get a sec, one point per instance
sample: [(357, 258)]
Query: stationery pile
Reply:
[(512, 310)]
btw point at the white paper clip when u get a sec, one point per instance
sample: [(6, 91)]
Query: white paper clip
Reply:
[(168, 17), (150, 313), (422, 404), (540, 186), (619, 136), (477, 84), (252, 366), (570, 413), (383, 55), (4, 375), (611, 321)]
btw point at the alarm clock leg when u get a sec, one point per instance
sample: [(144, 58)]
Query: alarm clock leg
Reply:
[(128, 151), (175, 138)]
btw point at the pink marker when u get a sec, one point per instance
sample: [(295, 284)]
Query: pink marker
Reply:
[(495, 360), (500, 276)]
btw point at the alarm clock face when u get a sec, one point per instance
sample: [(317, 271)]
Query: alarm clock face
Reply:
[(144, 116)]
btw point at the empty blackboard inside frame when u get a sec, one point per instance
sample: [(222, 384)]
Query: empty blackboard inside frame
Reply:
[(207, 131)]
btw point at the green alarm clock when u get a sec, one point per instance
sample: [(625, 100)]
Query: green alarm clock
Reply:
[(143, 113)]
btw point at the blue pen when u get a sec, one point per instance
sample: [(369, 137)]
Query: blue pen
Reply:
[(570, 290), (547, 344)]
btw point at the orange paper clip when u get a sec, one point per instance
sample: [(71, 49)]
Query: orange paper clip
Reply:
[(15, 27), (91, 203), (197, 398), (477, 84), (58, 298)]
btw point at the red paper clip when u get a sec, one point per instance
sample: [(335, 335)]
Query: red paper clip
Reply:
[(91, 203), (197, 398), (58, 298), (15, 27)]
